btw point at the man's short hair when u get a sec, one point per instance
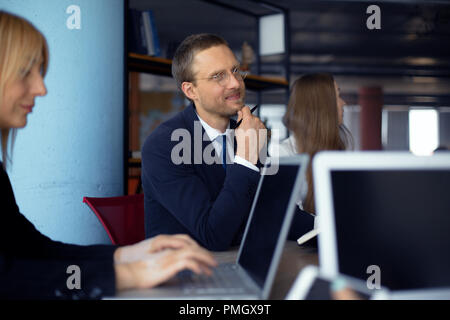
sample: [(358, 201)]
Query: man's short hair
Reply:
[(184, 55)]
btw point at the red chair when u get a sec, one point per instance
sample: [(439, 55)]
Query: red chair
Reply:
[(122, 217)]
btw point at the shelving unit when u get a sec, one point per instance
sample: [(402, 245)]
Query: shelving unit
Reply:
[(162, 67), (143, 63)]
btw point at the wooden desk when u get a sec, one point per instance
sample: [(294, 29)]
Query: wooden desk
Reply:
[(293, 260)]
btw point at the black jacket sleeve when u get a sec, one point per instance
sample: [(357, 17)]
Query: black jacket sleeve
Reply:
[(53, 279), (32, 266)]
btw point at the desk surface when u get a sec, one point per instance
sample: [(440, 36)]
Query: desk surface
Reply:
[(293, 260)]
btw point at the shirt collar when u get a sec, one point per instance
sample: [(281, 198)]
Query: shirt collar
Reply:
[(210, 131)]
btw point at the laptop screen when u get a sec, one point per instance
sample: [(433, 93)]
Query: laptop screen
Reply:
[(266, 222), (398, 220)]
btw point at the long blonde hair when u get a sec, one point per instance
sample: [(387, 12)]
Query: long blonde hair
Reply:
[(20, 45), (312, 116)]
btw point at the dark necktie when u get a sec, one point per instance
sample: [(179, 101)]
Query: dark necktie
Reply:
[(224, 152)]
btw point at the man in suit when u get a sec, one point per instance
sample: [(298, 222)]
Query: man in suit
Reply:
[(185, 191)]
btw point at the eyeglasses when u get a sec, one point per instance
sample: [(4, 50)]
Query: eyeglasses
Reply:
[(222, 78)]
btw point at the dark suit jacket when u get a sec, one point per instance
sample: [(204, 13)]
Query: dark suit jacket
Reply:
[(198, 199), (34, 267)]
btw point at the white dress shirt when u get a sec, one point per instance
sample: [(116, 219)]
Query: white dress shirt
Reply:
[(216, 137), (287, 147)]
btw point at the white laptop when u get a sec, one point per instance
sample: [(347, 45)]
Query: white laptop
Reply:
[(384, 218), (252, 275)]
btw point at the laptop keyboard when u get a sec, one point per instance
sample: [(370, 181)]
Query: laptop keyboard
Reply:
[(224, 279)]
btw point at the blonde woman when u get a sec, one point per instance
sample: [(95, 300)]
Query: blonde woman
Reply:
[(32, 266)]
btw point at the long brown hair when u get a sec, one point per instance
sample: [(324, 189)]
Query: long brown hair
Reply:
[(20, 44), (312, 117)]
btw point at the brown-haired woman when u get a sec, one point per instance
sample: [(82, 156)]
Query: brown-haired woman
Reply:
[(32, 266), (314, 118)]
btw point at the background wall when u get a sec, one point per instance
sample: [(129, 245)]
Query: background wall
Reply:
[(73, 143)]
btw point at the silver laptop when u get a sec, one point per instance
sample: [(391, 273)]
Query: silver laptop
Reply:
[(384, 218), (252, 275)]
